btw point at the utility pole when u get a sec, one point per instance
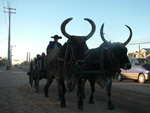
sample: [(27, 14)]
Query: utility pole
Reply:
[(9, 36), (139, 52), (27, 57)]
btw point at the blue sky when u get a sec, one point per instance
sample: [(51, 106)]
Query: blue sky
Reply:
[(36, 21)]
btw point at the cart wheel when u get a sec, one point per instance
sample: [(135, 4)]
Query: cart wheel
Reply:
[(31, 75), (70, 86), (37, 85), (31, 80), (36, 77)]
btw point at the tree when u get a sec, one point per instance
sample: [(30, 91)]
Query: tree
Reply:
[(3, 62), (130, 54), (25, 63)]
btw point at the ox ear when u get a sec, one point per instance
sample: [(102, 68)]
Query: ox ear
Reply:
[(92, 31), (130, 36), (63, 26)]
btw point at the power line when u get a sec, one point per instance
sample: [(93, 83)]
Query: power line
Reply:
[(138, 43), (5, 15), (3, 39)]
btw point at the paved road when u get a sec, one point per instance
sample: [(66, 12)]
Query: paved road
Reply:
[(16, 96)]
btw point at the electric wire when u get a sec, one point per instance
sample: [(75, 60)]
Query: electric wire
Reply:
[(139, 43), (3, 39), (5, 15)]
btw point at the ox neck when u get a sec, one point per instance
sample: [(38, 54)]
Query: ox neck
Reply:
[(63, 50), (111, 62)]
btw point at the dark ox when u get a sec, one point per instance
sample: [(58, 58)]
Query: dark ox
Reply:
[(63, 61), (108, 59)]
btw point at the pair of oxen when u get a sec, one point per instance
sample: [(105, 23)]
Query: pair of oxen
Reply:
[(75, 62)]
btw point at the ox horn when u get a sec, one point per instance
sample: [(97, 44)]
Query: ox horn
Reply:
[(102, 34), (125, 43), (106, 42), (63, 25), (85, 37), (93, 29)]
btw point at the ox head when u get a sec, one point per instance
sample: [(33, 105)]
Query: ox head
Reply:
[(76, 44), (117, 51)]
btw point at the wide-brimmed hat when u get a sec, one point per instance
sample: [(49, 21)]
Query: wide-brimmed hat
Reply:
[(56, 36)]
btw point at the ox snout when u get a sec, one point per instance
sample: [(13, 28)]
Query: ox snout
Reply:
[(80, 63), (127, 66)]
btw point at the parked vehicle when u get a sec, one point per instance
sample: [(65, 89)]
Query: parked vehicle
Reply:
[(140, 70)]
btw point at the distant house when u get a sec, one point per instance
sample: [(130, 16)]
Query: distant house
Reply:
[(143, 53)]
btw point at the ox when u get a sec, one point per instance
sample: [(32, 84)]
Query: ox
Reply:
[(61, 62), (107, 60)]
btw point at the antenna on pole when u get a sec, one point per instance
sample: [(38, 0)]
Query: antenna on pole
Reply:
[(9, 35)]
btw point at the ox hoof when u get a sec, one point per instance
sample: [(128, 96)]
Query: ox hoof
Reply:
[(62, 105), (46, 95), (111, 107), (80, 107), (91, 102)]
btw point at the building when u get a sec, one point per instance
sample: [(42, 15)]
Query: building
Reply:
[(143, 53)]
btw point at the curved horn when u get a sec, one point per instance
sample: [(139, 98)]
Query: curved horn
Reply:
[(63, 25), (102, 34), (125, 43), (92, 31)]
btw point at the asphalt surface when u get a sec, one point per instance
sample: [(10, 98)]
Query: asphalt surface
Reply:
[(17, 96)]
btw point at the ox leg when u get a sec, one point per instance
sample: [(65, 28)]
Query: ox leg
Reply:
[(92, 84), (63, 91), (80, 94), (49, 81), (108, 90), (84, 82), (83, 88), (35, 84), (59, 93), (59, 90)]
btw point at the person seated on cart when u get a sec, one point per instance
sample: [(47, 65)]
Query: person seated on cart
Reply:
[(55, 43)]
